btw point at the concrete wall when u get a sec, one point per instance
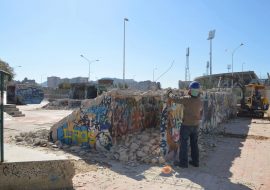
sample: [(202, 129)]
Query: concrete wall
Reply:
[(24, 94), (29, 94), (113, 115), (102, 120), (42, 175)]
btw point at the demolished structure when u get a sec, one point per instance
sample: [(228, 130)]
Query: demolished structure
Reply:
[(140, 126), (24, 94)]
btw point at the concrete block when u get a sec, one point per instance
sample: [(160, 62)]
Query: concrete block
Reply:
[(42, 175)]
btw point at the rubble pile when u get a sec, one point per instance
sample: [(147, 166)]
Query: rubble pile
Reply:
[(37, 138), (63, 104), (141, 147), (132, 149)]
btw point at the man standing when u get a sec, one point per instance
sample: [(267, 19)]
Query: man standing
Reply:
[(190, 126)]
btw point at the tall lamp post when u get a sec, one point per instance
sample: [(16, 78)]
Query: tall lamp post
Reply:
[(232, 58), (210, 37), (89, 62), (124, 49)]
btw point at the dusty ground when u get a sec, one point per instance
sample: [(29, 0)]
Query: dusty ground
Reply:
[(236, 159)]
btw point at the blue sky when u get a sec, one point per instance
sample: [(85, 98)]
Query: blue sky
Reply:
[(47, 37)]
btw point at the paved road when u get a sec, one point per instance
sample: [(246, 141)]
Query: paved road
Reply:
[(240, 160)]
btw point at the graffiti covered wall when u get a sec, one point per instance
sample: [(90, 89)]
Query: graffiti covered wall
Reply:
[(28, 94), (101, 121), (108, 117), (217, 108)]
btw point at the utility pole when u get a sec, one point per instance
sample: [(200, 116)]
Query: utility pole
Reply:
[(187, 73)]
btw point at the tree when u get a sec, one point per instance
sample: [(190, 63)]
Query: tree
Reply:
[(4, 66)]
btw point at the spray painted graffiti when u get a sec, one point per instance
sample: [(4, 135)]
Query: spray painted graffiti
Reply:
[(217, 107), (28, 94), (96, 126), (171, 120), (91, 127)]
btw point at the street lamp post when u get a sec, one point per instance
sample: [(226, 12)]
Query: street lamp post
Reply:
[(89, 62), (210, 37), (124, 49), (232, 58)]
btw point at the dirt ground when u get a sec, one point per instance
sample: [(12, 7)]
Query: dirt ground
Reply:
[(236, 158)]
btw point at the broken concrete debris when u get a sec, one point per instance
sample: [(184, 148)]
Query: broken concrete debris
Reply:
[(63, 104), (38, 138)]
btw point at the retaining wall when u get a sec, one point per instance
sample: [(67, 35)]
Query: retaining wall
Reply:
[(42, 175), (100, 122)]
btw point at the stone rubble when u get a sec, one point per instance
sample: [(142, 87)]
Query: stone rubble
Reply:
[(63, 104), (132, 149)]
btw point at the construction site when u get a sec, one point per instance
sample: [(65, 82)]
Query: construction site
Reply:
[(126, 137), (128, 95)]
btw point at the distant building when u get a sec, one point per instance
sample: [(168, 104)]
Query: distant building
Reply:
[(65, 80), (224, 80), (53, 82), (79, 80), (105, 82)]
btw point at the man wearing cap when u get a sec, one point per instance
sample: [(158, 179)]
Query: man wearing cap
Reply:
[(190, 125)]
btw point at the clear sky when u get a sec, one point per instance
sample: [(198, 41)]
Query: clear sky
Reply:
[(47, 37)]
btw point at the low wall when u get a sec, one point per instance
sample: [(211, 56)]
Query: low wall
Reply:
[(42, 175), (100, 122), (28, 94)]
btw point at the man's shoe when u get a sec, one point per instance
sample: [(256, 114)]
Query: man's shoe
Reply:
[(193, 164)]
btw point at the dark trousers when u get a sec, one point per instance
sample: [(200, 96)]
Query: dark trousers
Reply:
[(187, 132)]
